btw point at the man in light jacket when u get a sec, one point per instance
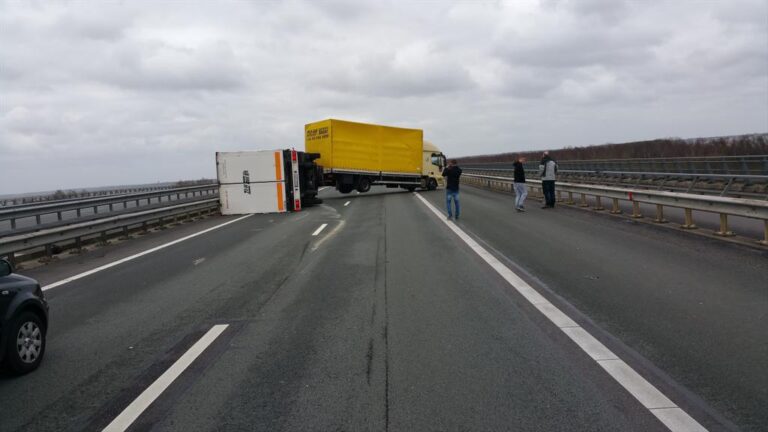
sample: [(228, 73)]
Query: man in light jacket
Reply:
[(548, 173)]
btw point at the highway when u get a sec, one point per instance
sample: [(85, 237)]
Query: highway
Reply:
[(370, 312)]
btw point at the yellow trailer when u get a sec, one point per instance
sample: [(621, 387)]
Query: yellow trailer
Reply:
[(358, 155)]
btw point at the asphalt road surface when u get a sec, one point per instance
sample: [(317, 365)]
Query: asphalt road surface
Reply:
[(369, 313)]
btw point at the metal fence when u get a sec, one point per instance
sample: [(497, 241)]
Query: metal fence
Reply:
[(75, 234), (723, 206), (37, 211), (734, 185), (724, 165)]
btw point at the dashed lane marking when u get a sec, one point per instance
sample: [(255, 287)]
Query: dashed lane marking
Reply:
[(145, 399), (674, 418), (140, 254), (347, 203), (319, 230)]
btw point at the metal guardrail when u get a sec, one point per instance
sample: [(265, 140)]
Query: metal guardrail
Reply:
[(723, 206), (727, 165), (37, 211), (11, 245), (692, 182), (27, 199)]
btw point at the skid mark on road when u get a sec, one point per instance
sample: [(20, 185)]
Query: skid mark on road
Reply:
[(140, 254), (674, 418), (129, 415), (330, 234)]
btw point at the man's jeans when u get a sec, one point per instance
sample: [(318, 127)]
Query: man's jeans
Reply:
[(548, 188), (520, 193), (452, 194)]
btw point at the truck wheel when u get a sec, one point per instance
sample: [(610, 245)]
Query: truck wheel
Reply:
[(432, 184), (26, 344), (364, 184), (345, 188), (410, 188)]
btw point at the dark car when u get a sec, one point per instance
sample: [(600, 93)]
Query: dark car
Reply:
[(23, 321)]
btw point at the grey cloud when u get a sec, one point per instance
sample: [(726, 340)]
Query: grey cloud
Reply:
[(105, 93)]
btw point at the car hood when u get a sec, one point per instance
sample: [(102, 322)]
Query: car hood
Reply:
[(18, 281)]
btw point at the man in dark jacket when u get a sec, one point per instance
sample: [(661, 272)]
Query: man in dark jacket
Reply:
[(548, 173), (452, 173)]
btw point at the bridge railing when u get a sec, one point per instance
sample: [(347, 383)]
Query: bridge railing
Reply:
[(738, 185), (14, 213), (74, 235), (728, 165), (724, 206)]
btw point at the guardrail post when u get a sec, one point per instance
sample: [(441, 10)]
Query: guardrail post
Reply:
[(660, 214), (636, 210), (559, 196), (58, 215), (688, 220), (570, 199), (598, 203), (724, 226), (95, 209), (584, 201), (13, 223), (615, 207), (37, 219)]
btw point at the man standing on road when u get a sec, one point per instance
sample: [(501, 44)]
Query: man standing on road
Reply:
[(452, 173), (548, 172), (520, 190)]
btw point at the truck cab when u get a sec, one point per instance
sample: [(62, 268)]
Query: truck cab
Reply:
[(432, 166)]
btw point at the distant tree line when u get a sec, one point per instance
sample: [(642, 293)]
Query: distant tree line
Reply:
[(753, 144)]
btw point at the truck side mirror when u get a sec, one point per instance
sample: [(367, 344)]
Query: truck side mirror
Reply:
[(5, 267)]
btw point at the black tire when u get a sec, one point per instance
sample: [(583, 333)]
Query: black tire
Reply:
[(26, 343), (432, 184), (410, 188), (363, 185), (345, 188)]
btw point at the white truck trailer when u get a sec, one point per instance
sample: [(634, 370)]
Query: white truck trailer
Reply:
[(266, 181)]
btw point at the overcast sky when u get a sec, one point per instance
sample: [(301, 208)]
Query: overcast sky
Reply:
[(109, 92)]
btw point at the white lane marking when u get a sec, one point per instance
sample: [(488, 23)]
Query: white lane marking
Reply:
[(649, 396), (347, 203), (140, 254), (676, 420), (198, 261), (323, 188), (145, 399), (319, 230)]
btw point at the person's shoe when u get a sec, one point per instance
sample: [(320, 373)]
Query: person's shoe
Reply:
[(521, 209), (448, 218), (457, 217), (518, 209), (545, 207)]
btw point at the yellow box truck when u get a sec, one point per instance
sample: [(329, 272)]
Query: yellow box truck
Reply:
[(354, 156)]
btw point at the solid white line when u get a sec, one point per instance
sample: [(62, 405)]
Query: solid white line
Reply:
[(347, 203), (145, 399), (140, 254), (649, 396), (319, 230)]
